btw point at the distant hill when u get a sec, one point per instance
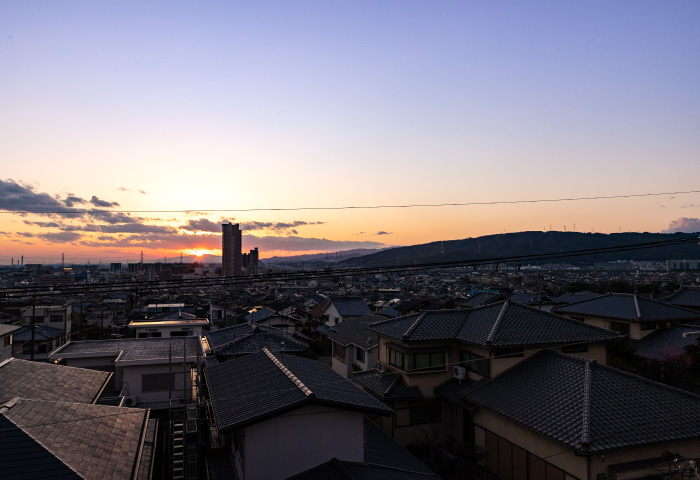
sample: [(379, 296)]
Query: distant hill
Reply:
[(529, 243), (325, 257)]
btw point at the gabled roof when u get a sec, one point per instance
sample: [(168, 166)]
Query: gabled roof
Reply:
[(46, 381), (260, 386), (629, 307), (685, 297), (320, 308), (386, 386), (666, 343), (42, 333), (411, 304), (350, 306), (6, 329), (132, 350), (95, 441), (587, 406), (495, 325), (248, 338), (354, 331)]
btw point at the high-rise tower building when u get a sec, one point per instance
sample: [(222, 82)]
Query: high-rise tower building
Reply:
[(231, 250)]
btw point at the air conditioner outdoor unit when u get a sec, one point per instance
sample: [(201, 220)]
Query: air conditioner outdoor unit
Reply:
[(381, 366), (130, 401), (459, 373)]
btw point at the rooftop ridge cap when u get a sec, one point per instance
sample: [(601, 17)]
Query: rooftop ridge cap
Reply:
[(306, 390), (636, 306), (5, 362), (414, 325), (586, 420), (393, 384), (497, 323)]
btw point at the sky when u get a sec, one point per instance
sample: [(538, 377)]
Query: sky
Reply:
[(148, 124)]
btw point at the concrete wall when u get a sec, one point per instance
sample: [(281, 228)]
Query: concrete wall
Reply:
[(132, 380), (301, 439)]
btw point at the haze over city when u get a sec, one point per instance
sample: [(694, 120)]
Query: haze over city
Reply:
[(129, 127)]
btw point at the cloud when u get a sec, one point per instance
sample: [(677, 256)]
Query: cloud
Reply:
[(202, 225), (277, 227), (142, 192), (383, 233), (22, 198), (59, 237), (43, 224), (72, 200), (102, 203), (123, 189), (683, 224), (304, 244)]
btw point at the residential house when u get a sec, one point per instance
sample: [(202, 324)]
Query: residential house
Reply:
[(38, 345), (628, 314), (54, 316), (6, 332), (52, 428), (180, 327), (423, 356), (276, 416), (247, 338), (686, 297), (147, 371), (354, 347), (338, 309), (556, 416)]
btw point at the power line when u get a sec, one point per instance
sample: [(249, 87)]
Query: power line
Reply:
[(317, 274), (358, 207)]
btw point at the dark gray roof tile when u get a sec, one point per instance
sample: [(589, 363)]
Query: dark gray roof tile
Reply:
[(587, 406), (350, 306), (45, 381), (499, 324), (628, 307), (259, 386)]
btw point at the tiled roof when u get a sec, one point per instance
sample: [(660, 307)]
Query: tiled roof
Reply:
[(248, 338), (524, 298), (45, 381), (411, 304), (587, 406), (354, 331), (97, 442), (666, 343), (350, 306), (6, 329), (259, 386), (23, 457), (131, 349), (390, 312), (319, 309), (574, 297), (498, 324), (685, 297), (481, 298), (42, 333), (629, 307), (386, 386), (258, 316)]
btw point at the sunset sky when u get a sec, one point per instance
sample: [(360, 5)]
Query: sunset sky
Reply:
[(163, 119)]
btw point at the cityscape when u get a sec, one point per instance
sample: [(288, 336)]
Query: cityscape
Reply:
[(387, 240)]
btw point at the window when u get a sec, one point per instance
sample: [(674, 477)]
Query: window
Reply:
[(360, 355), (7, 341), (648, 325), (339, 352), (512, 462), (476, 363), (157, 382), (181, 333), (508, 352), (576, 348), (623, 328), (411, 362), (418, 415), (56, 318)]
